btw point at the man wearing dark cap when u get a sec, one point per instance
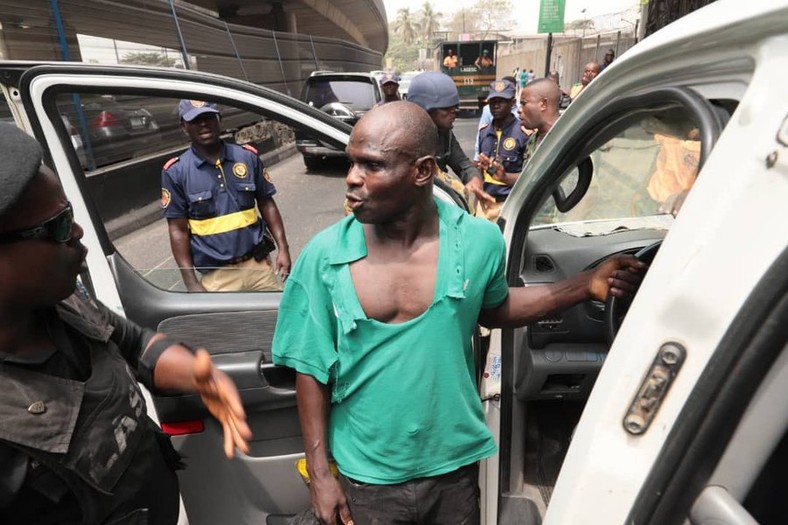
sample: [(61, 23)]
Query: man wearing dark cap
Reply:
[(211, 195), (390, 84), (76, 445), (436, 93), (501, 145), (484, 61)]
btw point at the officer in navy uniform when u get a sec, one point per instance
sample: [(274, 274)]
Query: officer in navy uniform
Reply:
[(210, 197), (502, 145), (76, 444), (390, 84)]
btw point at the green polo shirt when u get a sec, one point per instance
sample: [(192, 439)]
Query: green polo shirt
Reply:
[(404, 402)]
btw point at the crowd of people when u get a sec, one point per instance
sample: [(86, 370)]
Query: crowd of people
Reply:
[(399, 284)]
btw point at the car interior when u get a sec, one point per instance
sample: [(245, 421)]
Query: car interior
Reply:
[(616, 188)]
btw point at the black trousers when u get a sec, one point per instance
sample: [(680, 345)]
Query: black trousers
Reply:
[(450, 499)]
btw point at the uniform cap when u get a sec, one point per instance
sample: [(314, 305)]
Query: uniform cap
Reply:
[(389, 78), (432, 90), (502, 89), (20, 160), (191, 109)]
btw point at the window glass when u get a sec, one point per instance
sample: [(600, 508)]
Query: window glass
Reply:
[(355, 94), (124, 140), (645, 170)]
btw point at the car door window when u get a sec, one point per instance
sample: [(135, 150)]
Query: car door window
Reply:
[(122, 140), (644, 171)]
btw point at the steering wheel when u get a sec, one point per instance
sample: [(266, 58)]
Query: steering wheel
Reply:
[(616, 308)]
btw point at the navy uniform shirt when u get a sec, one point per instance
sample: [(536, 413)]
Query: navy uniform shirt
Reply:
[(509, 149), (219, 202)]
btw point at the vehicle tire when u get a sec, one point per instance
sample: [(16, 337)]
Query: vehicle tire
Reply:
[(311, 162)]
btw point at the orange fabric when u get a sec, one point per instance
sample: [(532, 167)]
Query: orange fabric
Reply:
[(676, 167)]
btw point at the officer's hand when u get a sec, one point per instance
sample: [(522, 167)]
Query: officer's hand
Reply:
[(500, 172), (476, 187), (283, 264), (221, 398), (195, 286), (484, 162)]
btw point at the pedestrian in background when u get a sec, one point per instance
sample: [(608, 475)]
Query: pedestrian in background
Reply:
[(590, 71), (390, 85)]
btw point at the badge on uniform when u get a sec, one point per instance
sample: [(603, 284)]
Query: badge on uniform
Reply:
[(499, 86), (509, 143), (165, 198), (197, 103), (240, 170), (267, 176)]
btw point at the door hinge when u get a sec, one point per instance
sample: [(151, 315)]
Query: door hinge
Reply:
[(654, 389)]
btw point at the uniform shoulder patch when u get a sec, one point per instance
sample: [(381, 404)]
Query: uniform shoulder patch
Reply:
[(170, 162), (483, 126), (250, 148)]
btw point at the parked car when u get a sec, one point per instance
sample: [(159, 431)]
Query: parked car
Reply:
[(404, 83), (344, 96), (111, 129), (670, 409)]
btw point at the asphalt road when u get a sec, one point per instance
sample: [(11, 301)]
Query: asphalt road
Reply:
[(308, 202)]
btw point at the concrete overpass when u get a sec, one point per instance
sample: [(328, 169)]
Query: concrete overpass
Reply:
[(48, 29)]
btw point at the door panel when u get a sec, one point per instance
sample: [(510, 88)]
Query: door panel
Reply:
[(106, 169), (646, 152)]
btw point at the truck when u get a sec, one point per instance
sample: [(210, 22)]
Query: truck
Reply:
[(475, 69)]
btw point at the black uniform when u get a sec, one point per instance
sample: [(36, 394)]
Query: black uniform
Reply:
[(451, 154), (76, 444)]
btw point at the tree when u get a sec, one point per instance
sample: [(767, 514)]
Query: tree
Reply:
[(493, 15), (405, 26), (463, 21), (429, 22), (149, 59), (577, 25)]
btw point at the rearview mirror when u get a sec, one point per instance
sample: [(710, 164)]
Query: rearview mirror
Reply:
[(577, 186)]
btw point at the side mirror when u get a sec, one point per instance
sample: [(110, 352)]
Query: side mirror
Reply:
[(564, 202)]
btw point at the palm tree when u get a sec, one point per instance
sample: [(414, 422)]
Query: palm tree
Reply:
[(405, 26), (429, 21)]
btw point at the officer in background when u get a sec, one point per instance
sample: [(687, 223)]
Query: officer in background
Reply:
[(210, 197), (76, 444), (502, 143), (390, 85), (436, 93)]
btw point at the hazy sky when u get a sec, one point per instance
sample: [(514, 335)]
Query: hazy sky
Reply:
[(526, 12)]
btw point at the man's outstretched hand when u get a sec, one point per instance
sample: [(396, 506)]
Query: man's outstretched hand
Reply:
[(220, 396), (620, 276)]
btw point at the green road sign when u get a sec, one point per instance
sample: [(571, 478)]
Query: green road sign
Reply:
[(551, 16)]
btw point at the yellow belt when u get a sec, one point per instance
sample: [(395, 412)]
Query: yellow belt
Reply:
[(225, 223)]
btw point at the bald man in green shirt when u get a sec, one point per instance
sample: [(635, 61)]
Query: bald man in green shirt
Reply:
[(377, 319)]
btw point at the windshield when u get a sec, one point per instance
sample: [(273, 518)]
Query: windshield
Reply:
[(358, 95), (645, 171)]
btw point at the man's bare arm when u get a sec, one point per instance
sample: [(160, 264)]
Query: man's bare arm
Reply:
[(328, 498), (182, 252), (619, 275)]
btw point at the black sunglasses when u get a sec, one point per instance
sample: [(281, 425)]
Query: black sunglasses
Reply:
[(58, 229)]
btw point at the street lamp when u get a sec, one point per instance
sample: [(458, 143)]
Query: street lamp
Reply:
[(584, 21)]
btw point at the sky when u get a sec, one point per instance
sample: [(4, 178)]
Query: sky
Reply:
[(526, 12)]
